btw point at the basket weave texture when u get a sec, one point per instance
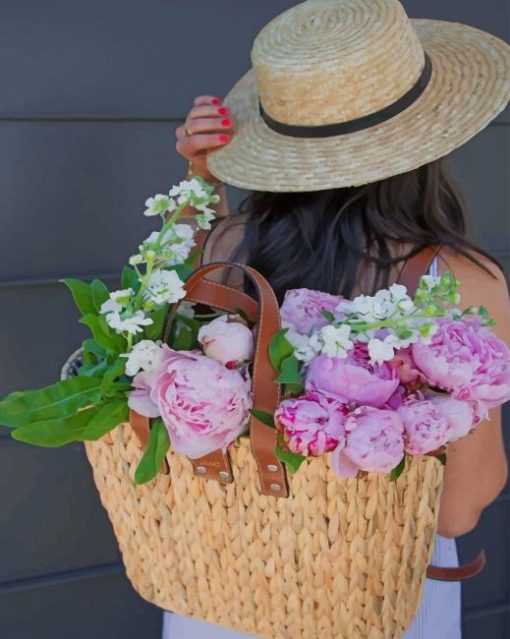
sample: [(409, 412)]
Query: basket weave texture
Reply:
[(338, 559)]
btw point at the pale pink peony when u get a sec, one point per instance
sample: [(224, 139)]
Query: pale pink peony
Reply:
[(461, 415), (227, 340), (426, 428), (353, 379), (302, 309), (312, 424), (204, 405), (374, 442), (468, 360), (139, 398)]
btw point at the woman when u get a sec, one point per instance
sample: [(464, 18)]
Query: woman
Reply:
[(344, 155)]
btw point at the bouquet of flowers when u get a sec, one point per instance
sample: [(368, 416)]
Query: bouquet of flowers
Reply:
[(370, 380)]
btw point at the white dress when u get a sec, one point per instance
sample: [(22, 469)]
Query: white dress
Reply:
[(439, 615)]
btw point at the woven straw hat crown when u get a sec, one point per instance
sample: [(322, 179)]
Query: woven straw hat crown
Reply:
[(346, 92), (328, 61)]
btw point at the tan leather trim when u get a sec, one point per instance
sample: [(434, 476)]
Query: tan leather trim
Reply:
[(266, 392)]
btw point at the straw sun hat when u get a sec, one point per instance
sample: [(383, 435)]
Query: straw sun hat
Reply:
[(346, 92)]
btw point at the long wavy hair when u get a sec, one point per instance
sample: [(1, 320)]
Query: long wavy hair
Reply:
[(320, 240)]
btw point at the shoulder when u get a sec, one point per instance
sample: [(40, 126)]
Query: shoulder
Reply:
[(481, 284)]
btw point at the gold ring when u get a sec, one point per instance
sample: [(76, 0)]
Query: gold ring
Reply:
[(187, 132)]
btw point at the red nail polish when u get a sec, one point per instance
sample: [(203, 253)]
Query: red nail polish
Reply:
[(215, 101), (223, 110), (224, 138), (227, 122)]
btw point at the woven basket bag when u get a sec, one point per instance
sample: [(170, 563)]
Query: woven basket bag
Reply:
[(301, 557)]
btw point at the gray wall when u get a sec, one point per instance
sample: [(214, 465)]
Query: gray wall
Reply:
[(90, 96)]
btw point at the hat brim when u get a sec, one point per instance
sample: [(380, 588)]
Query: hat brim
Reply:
[(469, 87)]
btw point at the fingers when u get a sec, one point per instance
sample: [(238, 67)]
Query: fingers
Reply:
[(191, 145), (208, 126)]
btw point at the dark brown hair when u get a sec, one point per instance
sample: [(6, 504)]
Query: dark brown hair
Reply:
[(320, 239)]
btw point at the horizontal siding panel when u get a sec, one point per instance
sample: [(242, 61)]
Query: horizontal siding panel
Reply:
[(105, 607), (492, 585), (56, 520), (481, 167), (136, 59)]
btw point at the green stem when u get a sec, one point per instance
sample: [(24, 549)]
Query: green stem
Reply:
[(387, 323)]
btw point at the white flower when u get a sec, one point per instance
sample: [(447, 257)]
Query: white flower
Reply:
[(130, 325), (165, 287), (182, 231), (158, 205), (144, 356), (204, 219), (117, 301), (380, 351), (188, 189), (134, 260), (306, 348), (398, 292), (430, 281), (335, 340), (186, 309)]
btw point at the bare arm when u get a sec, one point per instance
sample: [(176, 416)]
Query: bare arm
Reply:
[(476, 470)]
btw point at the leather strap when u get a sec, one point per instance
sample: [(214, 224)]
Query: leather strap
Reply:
[(266, 393), (466, 571)]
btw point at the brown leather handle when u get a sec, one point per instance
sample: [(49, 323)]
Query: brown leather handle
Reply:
[(266, 392), (458, 573)]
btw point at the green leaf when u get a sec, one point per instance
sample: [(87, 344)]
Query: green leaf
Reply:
[(55, 432), (117, 369), (100, 293), (82, 295), (108, 416), (91, 346), (262, 416), (183, 271), (280, 349), (154, 454), (102, 334), (155, 330), (292, 460), (289, 374), (129, 279), (328, 315), (57, 401), (92, 370), (442, 458), (242, 314), (398, 470)]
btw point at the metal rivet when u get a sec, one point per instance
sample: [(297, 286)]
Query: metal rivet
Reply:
[(273, 468), (275, 488), (201, 470), (224, 475)]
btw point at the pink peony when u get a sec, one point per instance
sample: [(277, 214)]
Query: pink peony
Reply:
[(374, 442), (426, 428), (468, 360), (461, 415), (204, 405), (406, 367), (302, 309), (353, 379), (312, 424), (227, 340)]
